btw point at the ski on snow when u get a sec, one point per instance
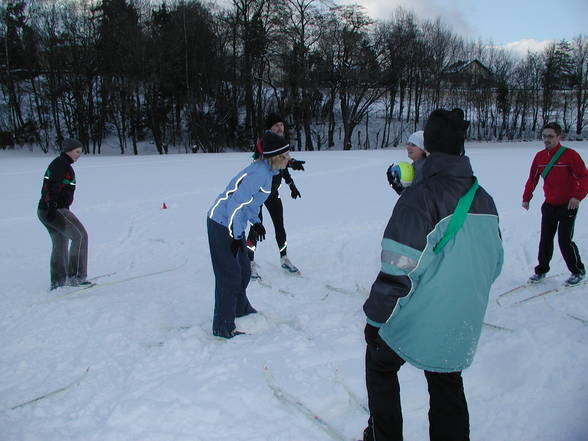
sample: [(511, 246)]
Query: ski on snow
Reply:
[(113, 282), (523, 286), (290, 400), (551, 291), (580, 319), (54, 392), (497, 327), (352, 395), (267, 285)]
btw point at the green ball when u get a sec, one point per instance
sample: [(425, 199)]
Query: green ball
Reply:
[(405, 172)]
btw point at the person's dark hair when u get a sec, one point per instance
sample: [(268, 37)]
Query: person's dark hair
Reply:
[(272, 119), (554, 126)]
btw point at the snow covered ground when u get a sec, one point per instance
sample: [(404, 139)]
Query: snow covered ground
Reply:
[(136, 361)]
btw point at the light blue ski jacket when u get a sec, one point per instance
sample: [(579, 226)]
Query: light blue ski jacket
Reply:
[(239, 203)]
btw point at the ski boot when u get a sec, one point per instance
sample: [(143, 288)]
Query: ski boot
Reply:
[(287, 265), (575, 279), (537, 277), (79, 282), (226, 334), (254, 274)]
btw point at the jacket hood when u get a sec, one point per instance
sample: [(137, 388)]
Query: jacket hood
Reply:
[(445, 164)]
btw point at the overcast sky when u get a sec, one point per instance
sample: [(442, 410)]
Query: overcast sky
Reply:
[(517, 23)]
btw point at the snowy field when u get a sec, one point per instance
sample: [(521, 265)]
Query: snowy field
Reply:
[(135, 360)]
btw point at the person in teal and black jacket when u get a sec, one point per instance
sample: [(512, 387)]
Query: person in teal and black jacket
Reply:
[(236, 207), (441, 252)]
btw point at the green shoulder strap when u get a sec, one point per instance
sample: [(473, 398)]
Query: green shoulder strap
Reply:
[(553, 160), (458, 217)]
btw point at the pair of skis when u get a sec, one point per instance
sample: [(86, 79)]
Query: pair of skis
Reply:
[(294, 402), (501, 297), (94, 284), (71, 385), (552, 291)]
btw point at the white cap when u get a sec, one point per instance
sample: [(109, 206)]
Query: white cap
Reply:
[(417, 138)]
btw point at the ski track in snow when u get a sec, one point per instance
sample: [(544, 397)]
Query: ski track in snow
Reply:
[(149, 368)]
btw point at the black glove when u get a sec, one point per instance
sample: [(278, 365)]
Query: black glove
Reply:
[(52, 211), (236, 245), (295, 164), (371, 334), (294, 191), (258, 231), (394, 180)]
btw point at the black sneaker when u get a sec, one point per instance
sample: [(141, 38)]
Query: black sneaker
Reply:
[(226, 334), (575, 279), (537, 277), (76, 282), (249, 310)]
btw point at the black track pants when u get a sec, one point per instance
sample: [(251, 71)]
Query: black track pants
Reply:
[(448, 409), (558, 218), (276, 211)]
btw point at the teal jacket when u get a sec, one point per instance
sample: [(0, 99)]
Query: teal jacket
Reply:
[(430, 306)]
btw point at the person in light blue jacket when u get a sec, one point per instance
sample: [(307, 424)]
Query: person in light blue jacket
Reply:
[(236, 207)]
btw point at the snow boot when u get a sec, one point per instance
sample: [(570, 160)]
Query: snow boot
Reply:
[(226, 334), (81, 283), (287, 265), (56, 285), (537, 277), (575, 279), (249, 310), (254, 273)]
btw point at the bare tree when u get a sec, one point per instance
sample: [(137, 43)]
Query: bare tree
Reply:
[(580, 80), (356, 67), (250, 16), (302, 32)]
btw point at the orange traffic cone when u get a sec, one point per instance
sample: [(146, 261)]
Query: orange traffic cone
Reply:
[(164, 206)]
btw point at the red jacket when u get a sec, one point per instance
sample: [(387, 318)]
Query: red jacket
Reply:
[(567, 179)]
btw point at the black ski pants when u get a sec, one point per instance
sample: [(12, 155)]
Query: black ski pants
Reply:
[(66, 262), (558, 218), (231, 277), (276, 211), (448, 409)]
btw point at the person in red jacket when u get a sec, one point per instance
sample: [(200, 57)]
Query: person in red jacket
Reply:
[(565, 183)]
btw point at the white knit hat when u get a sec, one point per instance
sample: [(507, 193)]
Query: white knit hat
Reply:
[(417, 138)]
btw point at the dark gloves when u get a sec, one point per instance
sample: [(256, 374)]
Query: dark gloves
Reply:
[(371, 334), (394, 179), (236, 245), (295, 164), (52, 211), (294, 191), (258, 232)]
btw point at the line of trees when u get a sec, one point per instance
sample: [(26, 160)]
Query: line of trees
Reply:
[(190, 74)]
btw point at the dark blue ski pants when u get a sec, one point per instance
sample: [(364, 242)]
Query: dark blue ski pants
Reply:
[(232, 274)]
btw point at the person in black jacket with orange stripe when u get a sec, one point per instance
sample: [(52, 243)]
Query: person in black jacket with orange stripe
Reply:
[(68, 265), (275, 123)]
